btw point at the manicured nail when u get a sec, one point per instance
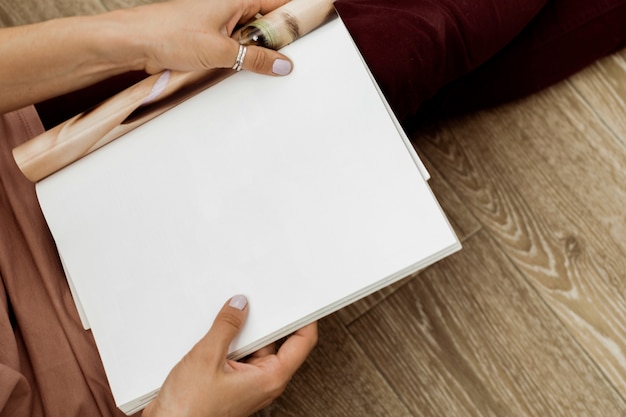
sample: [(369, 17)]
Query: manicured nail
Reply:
[(281, 67), (239, 302)]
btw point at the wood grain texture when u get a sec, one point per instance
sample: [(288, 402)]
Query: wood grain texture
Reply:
[(603, 88), (543, 176), (120, 4), (13, 13), (471, 338), (582, 150)]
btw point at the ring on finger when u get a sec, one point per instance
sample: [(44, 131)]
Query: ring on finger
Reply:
[(241, 55)]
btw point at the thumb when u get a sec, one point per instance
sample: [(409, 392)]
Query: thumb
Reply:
[(266, 61), (227, 324)]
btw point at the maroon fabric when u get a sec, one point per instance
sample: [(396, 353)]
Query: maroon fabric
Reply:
[(49, 365), (483, 52), (565, 37), (59, 109)]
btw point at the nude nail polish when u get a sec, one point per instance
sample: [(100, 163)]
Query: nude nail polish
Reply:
[(239, 302), (281, 67)]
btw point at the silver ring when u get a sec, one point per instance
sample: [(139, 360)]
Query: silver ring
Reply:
[(241, 55)]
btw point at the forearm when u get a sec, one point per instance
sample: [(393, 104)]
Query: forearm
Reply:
[(47, 59)]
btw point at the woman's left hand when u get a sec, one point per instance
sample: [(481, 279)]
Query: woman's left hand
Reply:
[(189, 35)]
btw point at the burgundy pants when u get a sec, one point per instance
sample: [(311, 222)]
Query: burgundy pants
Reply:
[(454, 56)]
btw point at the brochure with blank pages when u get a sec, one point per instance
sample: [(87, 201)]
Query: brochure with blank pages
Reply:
[(300, 192)]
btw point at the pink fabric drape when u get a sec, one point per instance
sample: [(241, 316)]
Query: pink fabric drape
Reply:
[(49, 365)]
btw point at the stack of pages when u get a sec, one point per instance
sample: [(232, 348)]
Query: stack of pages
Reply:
[(300, 192)]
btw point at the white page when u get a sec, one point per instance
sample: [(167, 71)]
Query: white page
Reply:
[(298, 192)]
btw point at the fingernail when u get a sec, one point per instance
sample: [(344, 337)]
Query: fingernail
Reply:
[(239, 302), (281, 67)]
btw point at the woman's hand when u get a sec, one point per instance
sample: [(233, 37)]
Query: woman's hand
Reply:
[(189, 35), (51, 58), (207, 384)]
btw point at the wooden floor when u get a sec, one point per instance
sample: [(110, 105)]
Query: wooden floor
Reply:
[(529, 319)]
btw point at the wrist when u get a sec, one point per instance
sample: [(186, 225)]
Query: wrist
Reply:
[(119, 41)]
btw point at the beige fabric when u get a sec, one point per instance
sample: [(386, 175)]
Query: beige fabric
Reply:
[(49, 365)]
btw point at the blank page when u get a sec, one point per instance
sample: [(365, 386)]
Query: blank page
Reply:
[(298, 192)]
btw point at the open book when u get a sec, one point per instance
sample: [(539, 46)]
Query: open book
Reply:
[(301, 192)]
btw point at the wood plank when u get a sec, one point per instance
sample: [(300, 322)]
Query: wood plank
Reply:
[(14, 13), (461, 220), (585, 146), (119, 4), (339, 380), (471, 338), (603, 87), (543, 177), (556, 136)]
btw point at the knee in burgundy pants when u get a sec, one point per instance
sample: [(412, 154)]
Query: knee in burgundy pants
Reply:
[(471, 54)]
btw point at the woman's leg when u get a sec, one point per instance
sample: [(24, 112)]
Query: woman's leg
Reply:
[(415, 47), (564, 38), (469, 55)]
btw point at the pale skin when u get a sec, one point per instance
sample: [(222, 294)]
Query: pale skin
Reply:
[(48, 59)]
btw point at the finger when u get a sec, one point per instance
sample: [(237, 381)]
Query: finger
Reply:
[(266, 61), (297, 348), (269, 5), (227, 324), (254, 7)]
